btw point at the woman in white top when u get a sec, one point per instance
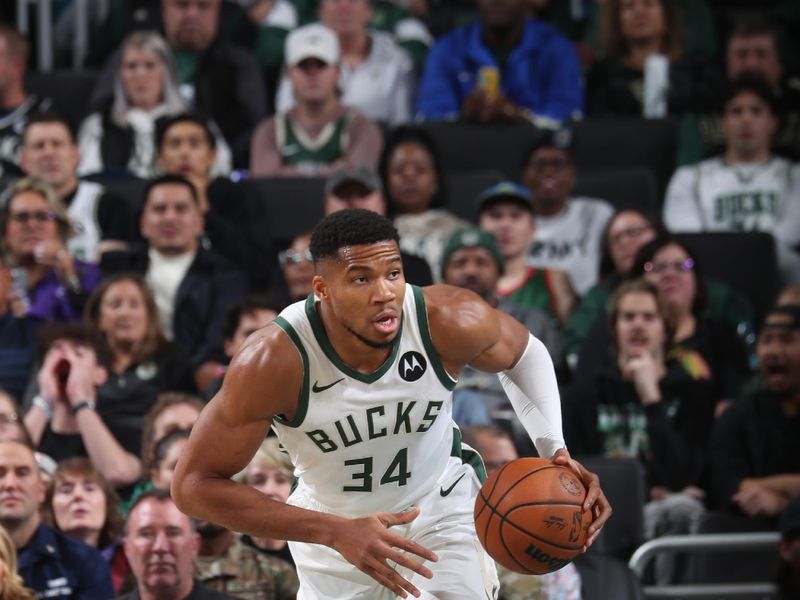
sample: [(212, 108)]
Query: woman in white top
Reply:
[(121, 137)]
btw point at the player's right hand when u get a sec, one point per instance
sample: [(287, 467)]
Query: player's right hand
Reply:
[(368, 544)]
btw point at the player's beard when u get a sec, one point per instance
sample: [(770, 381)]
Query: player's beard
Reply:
[(369, 342)]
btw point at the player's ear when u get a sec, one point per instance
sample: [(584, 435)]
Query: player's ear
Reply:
[(320, 287)]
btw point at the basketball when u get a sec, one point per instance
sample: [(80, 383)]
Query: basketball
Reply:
[(529, 516)]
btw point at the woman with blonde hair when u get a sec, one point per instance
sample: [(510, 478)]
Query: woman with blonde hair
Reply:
[(11, 584), (121, 137)]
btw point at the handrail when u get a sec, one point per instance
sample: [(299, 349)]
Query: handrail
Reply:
[(712, 590), (701, 542), (705, 542)]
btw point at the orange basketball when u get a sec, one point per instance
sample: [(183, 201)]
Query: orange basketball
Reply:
[(529, 516)]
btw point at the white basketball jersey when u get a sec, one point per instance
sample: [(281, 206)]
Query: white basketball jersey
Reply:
[(367, 443), (83, 212), (742, 197)]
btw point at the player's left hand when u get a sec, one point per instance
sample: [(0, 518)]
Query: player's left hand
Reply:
[(595, 501)]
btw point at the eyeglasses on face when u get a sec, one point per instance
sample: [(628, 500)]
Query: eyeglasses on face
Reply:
[(40, 216), (629, 232), (660, 267), (293, 257)]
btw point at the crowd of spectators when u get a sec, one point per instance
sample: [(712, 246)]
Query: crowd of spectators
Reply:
[(137, 258)]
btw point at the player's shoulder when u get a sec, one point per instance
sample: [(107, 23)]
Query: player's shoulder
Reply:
[(447, 302), (269, 355), (458, 316)]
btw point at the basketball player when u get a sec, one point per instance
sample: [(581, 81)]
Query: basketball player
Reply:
[(356, 380)]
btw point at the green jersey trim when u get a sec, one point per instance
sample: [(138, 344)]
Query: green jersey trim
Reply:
[(302, 404), (330, 352), (472, 458), (422, 318)]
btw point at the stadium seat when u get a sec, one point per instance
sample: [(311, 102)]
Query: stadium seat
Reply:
[(69, 91), (732, 567), (606, 578), (297, 204), (462, 189), (466, 146), (631, 187), (746, 261), (624, 485), (627, 142), (127, 187)]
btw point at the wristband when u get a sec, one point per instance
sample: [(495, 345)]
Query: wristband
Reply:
[(43, 406), (81, 405)]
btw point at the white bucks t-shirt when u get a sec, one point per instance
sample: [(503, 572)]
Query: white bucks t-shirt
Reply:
[(716, 196), (571, 240)]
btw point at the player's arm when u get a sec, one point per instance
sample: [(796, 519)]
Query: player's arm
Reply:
[(264, 380), (466, 330)]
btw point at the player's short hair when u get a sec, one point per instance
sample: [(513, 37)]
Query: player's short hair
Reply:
[(349, 227), (753, 83)]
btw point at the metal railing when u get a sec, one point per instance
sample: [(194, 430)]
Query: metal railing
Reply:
[(45, 26), (709, 542)]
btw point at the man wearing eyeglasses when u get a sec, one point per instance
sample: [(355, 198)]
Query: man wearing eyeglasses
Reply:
[(569, 230)]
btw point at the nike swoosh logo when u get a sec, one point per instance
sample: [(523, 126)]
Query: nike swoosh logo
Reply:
[(316, 388), (445, 492)]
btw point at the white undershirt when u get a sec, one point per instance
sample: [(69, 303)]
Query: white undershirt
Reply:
[(164, 276)]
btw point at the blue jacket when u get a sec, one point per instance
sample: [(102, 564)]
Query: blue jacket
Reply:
[(542, 73), (56, 566)]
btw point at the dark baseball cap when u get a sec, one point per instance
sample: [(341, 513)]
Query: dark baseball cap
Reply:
[(361, 174), (471, 237), (505, 191)]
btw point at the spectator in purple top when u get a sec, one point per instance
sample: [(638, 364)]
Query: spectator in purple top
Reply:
[(47, 282)]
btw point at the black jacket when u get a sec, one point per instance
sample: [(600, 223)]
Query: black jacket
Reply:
[(753, 438), (604, 415)]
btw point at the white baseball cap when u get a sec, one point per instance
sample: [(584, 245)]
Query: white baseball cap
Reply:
[(312, 41)]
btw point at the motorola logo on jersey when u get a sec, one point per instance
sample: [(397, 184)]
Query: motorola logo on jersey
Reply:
[(412, 366)]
